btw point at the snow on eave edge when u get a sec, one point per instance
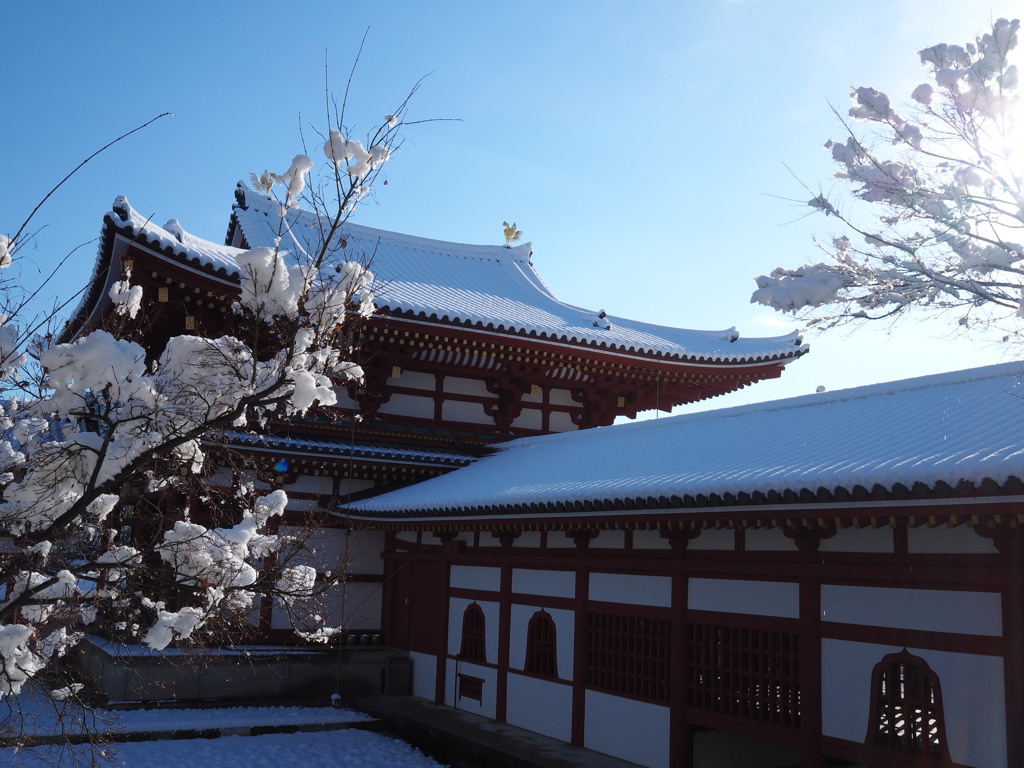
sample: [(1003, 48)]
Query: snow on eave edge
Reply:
[(843, 502)]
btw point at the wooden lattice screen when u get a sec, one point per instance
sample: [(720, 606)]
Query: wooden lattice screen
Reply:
[(473, 646), (752, 674), (471, 688), (541, 652), (906, 706), (629, 655)]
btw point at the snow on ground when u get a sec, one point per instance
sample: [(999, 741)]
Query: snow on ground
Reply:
[(32, 714), (323, 749), (252, 717)]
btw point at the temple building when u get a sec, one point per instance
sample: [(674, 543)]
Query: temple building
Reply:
[(468, 348), (833, 579), (828, 580)]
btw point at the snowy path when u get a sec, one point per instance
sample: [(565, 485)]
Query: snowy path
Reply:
[(324, 749)]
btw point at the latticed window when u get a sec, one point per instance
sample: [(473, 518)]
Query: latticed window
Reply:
[(906, 707), (541, 652), (473, 646), (471, 688), (753, 674), (629, 655)]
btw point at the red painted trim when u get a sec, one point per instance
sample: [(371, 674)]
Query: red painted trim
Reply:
[(776, 733), (629, 609), (504, 629), (915, 638), (364, 578), (442, 657), (881, 758), (680, 748), (1013, 661), (810, 674), (543, 678), (469, 687), (515, 598), (513, 342), (579, 658), (744, 620), (480, 595)]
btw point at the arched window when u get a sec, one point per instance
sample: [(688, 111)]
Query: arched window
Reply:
[(473, 646), (906, 707), (541, 650)]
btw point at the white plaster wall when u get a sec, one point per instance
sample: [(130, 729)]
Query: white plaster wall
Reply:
[(760, 598), (222, 477), (249, 476), (650, 540), (529, 418), (529, 539), (471, 413), (541, 706), (934, 610), (486, 708), (278, 619), (347, 486), (561, 397), (311, 484), (409, 405), (461, 386), (328, 606), (767, 540), (409, 536), (344, 401), (561, 421), (722, 538), (476, 577), (565, 623), (628, 729), (558, 540), (859, 540), (323, 550), (636, 590), (550, 583), (456, 608), (609, 540), (538, 398), (364, 548), (488, 539), (942, 539), (414, 380), (424, 674), (972, 698), (363, 605)]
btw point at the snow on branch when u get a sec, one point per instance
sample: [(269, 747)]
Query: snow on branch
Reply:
[(112, 516), (936, 204)]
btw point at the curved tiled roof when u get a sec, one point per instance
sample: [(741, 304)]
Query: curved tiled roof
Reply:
[(479, 286), (944, 435), (495, 288), (343, 449)]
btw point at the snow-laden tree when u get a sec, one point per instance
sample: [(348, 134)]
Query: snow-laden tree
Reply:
[(87, 424), (936, 212)]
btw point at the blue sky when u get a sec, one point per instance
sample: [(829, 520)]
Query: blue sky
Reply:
[(645, 148)]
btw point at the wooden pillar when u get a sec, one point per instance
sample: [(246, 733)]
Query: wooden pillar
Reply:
[(580, 626), (1011, 545), (504, 642), (680, 748), (810, 674), (441, 679)]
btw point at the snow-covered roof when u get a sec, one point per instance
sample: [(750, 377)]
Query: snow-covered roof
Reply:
[(494, 287), (346, 449), (952, 428), (173, 238)]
